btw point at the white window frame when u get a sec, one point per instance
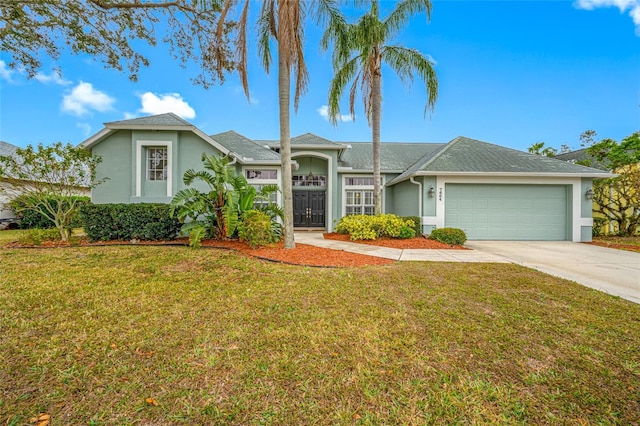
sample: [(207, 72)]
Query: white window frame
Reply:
[(276, 181), (141, 163), (346, 188)]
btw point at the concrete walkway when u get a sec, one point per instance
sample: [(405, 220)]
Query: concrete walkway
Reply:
[(316, 239), (616, 272)]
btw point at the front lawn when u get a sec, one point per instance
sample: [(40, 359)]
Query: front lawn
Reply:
[(171, 335)]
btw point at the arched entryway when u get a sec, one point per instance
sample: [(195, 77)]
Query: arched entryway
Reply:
[(310, 184)]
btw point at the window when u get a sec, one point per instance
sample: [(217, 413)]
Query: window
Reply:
[(309, 180), (358, 181), (261, 174), (273, 197), (359, 202), (157, 162)]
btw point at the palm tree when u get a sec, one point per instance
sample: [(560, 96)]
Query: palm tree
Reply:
[(282, 21), (360, 49)]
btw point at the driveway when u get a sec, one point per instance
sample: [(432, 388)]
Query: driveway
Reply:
[(616, 272)]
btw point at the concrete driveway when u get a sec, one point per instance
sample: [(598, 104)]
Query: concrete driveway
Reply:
[(616, 272)]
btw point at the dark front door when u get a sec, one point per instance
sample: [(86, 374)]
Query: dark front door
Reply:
[(308, 209)]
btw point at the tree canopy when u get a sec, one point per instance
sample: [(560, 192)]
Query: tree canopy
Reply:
[(110, 32)]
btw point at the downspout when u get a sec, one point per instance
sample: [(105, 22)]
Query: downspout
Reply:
[(420, 206)]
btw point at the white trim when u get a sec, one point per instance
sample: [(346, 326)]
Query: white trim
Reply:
[(140, 144), (345, 188), (576, 183), (329, 196), (277, 181)]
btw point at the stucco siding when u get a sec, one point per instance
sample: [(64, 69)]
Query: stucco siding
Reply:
[(405, 199), (116, 167)]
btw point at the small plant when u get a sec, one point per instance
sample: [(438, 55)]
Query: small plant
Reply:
[(452, 236), (366, 227), (599, 226), (257, 229), (417, 224), (36, 236)]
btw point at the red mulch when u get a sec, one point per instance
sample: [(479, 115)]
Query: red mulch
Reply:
[(302, 254), (616, 246), (409, 243)]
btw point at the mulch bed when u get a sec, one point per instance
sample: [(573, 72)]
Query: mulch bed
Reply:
[(302, 254), (627, 247), (409, 243)]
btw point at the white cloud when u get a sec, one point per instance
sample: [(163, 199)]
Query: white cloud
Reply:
[(252, 100), (54, 77), (633, 6), (170, 102), (83, 98), (324, 112), (129, 115), (5, 71), (85, 127)]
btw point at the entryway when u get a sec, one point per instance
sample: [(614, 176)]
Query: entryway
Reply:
[(309, 209)]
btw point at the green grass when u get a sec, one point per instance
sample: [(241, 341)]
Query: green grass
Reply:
[(631, 241), (88, 334)]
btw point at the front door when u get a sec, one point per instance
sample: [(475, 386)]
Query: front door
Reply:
[(308, 209)]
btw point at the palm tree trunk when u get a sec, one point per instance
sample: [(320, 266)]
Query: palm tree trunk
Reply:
[(284, 95), (376, 102)]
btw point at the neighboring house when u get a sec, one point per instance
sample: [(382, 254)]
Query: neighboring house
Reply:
[(5, 212), (489, 191)]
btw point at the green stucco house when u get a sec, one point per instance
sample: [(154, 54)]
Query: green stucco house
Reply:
[(489, 191)]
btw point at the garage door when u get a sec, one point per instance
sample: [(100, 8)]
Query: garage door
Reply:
[(508, 212)]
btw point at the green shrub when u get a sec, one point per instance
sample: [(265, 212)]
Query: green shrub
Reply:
[(143, 221), (366, 227), (31, 218), (255, 228), (36, 236), (453, 236), (417, 224)]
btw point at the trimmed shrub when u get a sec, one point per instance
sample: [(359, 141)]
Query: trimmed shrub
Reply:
[(255, 228), (366, 227), (31, 219), (142, 221), (417, 224), (36, 236), (452, 236)]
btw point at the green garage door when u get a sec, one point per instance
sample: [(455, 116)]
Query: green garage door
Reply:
[(508, 212)]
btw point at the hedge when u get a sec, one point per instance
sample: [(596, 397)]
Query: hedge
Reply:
[(31, 219), (367, 227), (143, 221)]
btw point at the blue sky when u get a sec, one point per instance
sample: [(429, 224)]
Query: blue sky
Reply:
[(511, 73)]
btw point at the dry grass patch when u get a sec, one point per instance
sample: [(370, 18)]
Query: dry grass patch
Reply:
[(169, 335)]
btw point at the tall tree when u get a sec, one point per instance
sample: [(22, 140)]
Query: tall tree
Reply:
[(360, 50), (107, 29), (282, 22)]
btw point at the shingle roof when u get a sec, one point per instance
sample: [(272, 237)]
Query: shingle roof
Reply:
[(394, 156), (168, 119), (7, 148), (244, 146), (579, 156), (307, 139), (465, 155)]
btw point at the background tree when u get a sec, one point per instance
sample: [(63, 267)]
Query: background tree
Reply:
[(48, 179), (539, 148), (360, 50), (281, 22), (107, 30), (618, 198)]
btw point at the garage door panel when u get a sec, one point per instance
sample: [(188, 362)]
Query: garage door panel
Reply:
[(507, 212)]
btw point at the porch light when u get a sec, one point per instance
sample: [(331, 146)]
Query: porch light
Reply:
[(589, 194), (431, 192)]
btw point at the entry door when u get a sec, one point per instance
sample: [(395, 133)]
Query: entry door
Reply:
[(308, 209)]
